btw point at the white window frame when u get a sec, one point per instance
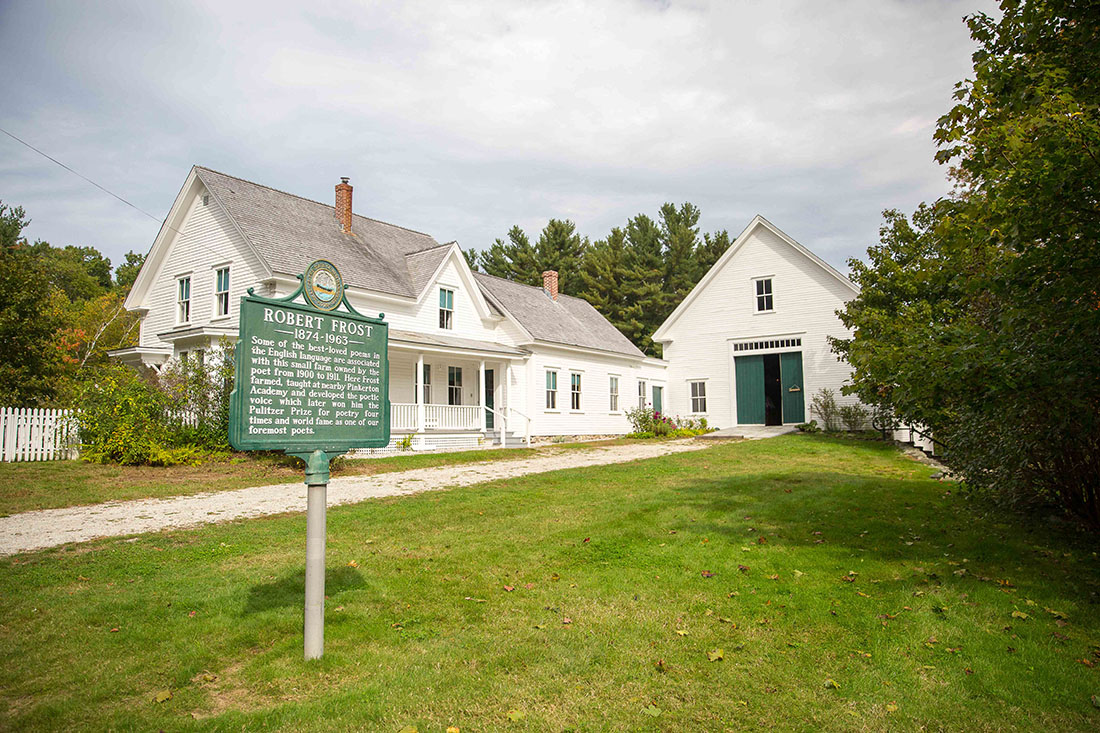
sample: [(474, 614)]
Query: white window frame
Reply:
[(454, 386), (613, 393), (642, 401), (183, 305), (447, 308), (427, 386), (551, 390), (221, 297), (768, 296), (575, 387), (692, 397)]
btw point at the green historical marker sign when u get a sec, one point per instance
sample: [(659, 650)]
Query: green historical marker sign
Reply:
[(309, 377), (313, 381)]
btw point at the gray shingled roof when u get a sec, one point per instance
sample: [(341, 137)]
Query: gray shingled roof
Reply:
[(568, 320), (290, 232)]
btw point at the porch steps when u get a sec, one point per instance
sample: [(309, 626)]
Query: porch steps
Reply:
[(510, 440)]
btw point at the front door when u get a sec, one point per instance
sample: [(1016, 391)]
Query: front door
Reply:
[(773, 391), (658, 393), (490, 401)]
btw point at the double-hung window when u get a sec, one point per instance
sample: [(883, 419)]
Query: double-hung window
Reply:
[(221, 292), (446, 308), (613, 390), (183, 300), (454, 385), (551, 390), (698, 397), (574, 391), (764, 295), (641, 394), (427, 384)]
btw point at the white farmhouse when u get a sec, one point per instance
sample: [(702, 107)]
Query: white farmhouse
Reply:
[(748, 345), (472, 357)]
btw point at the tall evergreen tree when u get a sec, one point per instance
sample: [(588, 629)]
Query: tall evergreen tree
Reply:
[(514, 259), (713, 247), (680, 235), (561, 248)]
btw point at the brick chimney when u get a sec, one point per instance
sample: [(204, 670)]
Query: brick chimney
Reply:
[(343, 204), (550, 283)]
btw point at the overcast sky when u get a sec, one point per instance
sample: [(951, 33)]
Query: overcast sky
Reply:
[(462, 119)]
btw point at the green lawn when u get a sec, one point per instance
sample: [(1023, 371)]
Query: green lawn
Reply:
[(53, 484), (845, 589)]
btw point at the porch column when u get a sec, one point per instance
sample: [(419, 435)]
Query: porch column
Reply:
[(481, 391), (506, 370), (420, 393)]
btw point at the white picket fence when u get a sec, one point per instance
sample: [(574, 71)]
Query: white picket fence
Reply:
[(31, 434)]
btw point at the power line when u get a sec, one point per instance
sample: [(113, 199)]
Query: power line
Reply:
[(79, 175)]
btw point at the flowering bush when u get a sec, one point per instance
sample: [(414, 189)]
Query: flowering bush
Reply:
[(649, 423)]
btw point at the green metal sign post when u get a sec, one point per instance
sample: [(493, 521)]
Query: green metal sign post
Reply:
[(312, 380)]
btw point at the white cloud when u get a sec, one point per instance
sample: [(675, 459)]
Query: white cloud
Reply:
[(463, 118)]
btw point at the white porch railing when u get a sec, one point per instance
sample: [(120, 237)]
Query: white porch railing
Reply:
[(452, 417), (403, 416)]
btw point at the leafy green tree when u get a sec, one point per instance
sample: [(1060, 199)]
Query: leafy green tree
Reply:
[(29, 318), (127, 272), (79, 272), (981, 320)]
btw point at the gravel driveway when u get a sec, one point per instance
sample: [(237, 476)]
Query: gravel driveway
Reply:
[(51, 527)]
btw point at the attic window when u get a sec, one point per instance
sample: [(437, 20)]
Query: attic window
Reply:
[(446, 308), (206, 199)]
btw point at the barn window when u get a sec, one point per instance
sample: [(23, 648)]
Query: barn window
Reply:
[(574, 391), (613, 390), (764, 295)]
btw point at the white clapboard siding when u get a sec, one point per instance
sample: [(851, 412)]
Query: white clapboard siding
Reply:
[(36, 434)]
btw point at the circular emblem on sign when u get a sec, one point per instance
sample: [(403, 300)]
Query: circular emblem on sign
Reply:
[(323, 287)]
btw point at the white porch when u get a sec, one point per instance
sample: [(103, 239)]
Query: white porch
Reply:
[(447, 392)]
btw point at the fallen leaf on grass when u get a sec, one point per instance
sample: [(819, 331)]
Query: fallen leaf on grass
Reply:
[(191, 614), (681, 632), (476, 600), (660, 665), (409, 729), (540, 626), (968, 671), (567, 620), (717, 655), (831, 685), (1095, 701), (1020, 615), (891, 707), (516, 715), (509, 588), (707, 574), (743, 568), (452, 729), (554, 577), (1086, 662), (651, 710), (163, 696), (587, 539), (114, 630), (352, 564), (529, 586)]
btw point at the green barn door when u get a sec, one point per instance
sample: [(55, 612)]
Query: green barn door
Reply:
[(749, 377), (794, 400)]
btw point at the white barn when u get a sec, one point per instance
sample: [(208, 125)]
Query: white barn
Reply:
[(473, 358), (748, 345)]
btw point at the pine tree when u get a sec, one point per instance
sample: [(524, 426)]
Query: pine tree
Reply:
[(513, 260), (713, 247), (680, 235), (560, 248)]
